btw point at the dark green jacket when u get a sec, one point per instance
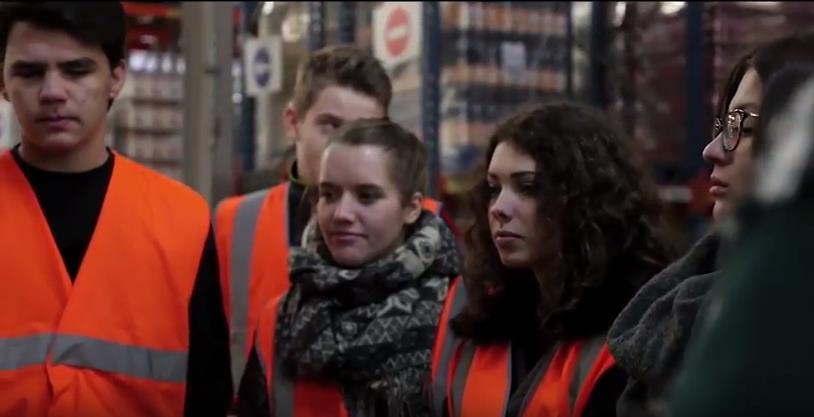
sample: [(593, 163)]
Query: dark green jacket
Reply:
[(754, 354)]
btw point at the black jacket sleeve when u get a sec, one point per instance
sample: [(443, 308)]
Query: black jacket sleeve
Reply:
[(253, 398), (752, 352), (605, 394), (209, 380)]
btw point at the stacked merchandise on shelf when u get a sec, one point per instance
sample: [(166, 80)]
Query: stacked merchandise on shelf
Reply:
[(648, 77), (739, 26), (648, 80), (495, 57), (148, 115), (146, 118)]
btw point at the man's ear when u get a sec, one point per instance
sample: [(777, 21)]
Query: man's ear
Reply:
[(119, 77), (291, 121), (3, 84)]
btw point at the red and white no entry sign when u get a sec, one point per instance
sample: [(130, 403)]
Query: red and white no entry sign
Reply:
[(397, 31)]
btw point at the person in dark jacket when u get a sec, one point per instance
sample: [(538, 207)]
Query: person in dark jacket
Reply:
[(651, 334), (566, 229), (752, 355)]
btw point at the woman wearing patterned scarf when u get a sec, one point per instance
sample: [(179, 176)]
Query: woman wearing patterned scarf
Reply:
[(354, 334)]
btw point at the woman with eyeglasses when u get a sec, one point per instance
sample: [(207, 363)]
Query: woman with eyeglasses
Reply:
[(765, 293), (650, 336)]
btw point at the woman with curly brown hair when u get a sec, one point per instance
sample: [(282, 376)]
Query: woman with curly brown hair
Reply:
[(565, 232)]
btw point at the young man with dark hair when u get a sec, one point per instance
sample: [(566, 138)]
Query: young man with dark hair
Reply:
[(110, 289), (334, 86)]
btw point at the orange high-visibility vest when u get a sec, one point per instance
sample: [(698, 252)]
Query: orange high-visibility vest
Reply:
[(474, 381), (115, 342), (308, 398), (480, 377), (252, 237)]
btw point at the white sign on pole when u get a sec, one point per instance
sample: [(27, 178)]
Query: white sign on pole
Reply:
[(263, 64), (9, 128), (397, 32), (513, 57)]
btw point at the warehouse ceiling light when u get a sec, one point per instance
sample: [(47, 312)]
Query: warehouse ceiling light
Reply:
[(268, 7), (761, 5), (619, 13), (672, 7), (295, 25)]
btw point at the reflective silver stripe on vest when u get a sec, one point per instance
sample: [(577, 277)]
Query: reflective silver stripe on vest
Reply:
[(462, 375), (241, 263), (135, 361), (588, 354), (281, 395), (459, 377), (508, 395), (440, 383), (260, 360), (19, 352), (539, 370)]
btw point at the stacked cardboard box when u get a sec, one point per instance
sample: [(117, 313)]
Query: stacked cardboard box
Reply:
[(148, 116), (648, 81)]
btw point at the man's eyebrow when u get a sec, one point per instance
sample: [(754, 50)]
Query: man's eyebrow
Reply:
[(39, 65), (21, 64), (79, 62), (329, 117)]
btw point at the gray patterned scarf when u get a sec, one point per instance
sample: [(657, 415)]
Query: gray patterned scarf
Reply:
[(369, 329)]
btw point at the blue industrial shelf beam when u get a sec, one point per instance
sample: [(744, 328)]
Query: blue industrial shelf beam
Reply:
[(430, 91), (569, 45), (347, 22), (316, 25), (598, 61), (245, 143), (698, 104)]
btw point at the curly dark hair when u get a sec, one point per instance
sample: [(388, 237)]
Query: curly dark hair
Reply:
[(603, 238)]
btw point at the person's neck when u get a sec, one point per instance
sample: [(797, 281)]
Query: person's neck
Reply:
[(85, 158), (295, 175), (538, 272)]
